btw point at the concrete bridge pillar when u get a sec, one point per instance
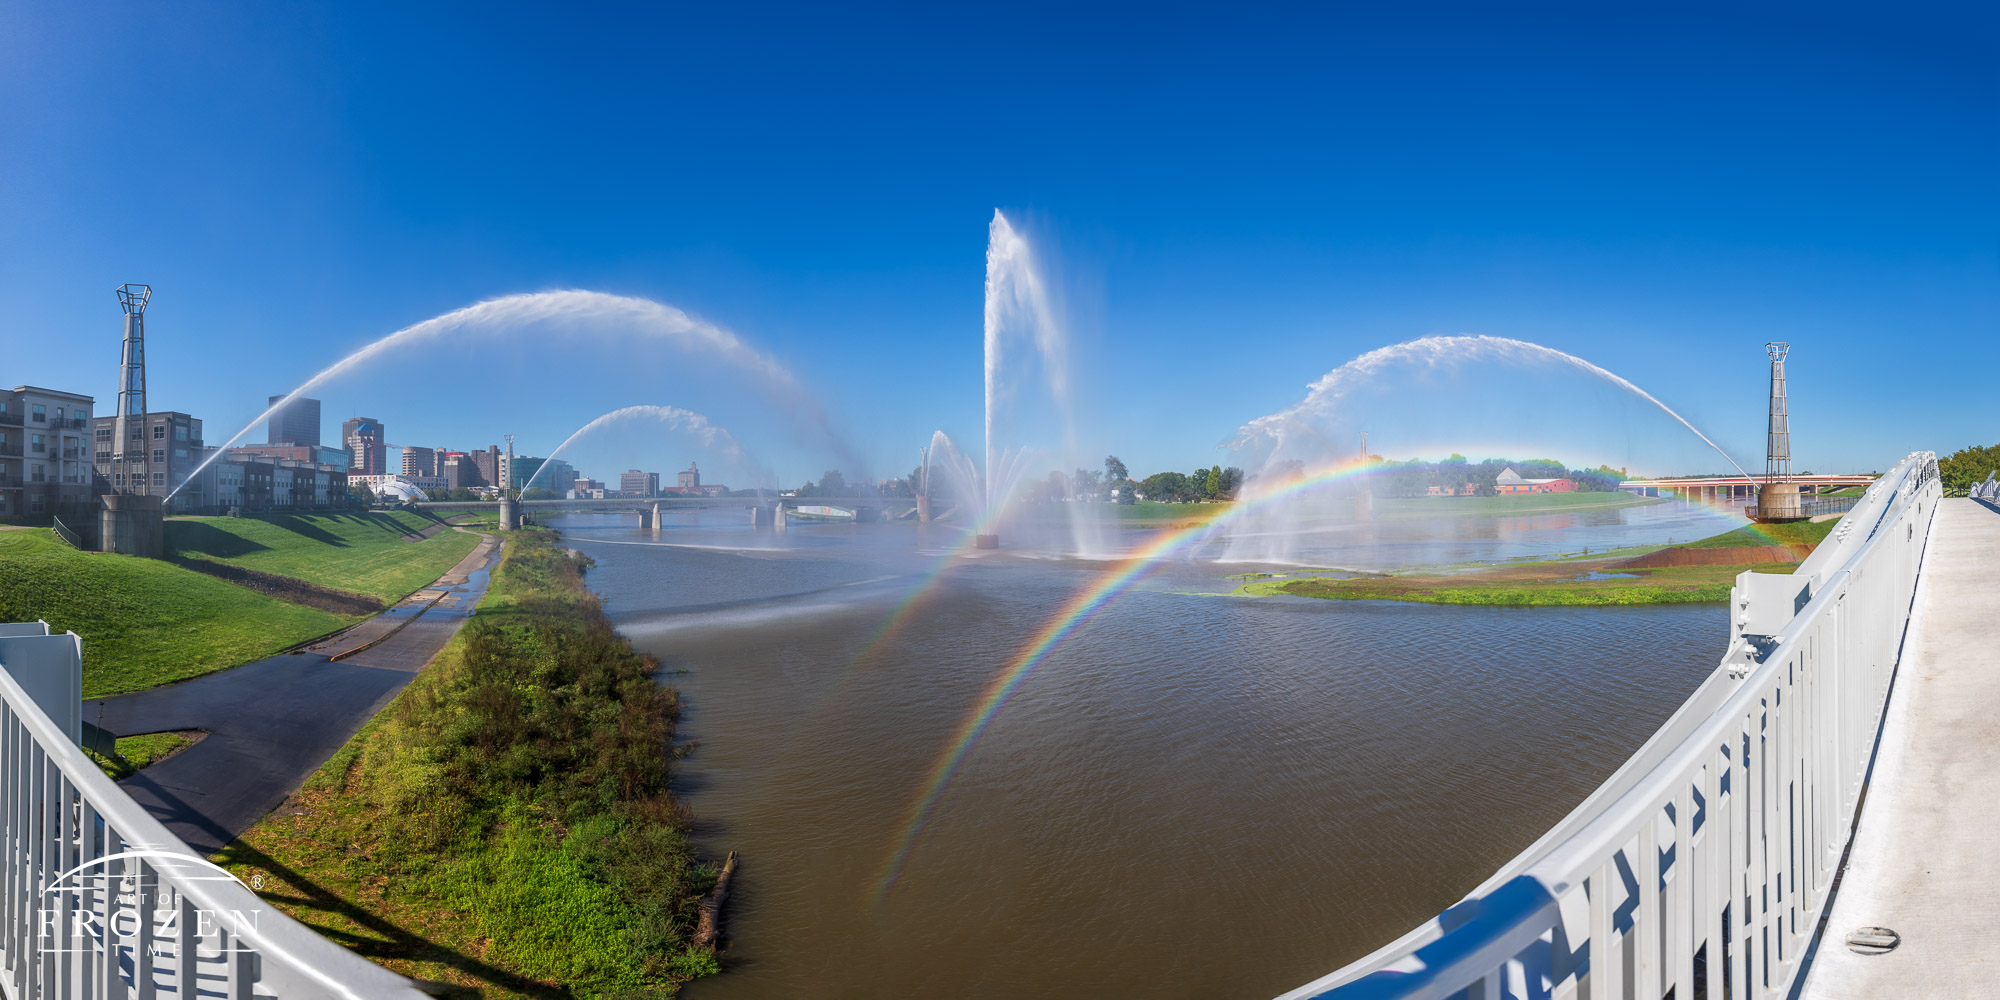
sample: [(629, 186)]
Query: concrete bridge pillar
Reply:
[(510, 514), (656, 518), (923, 508), (646, 518), (759, 517), (778, 517)]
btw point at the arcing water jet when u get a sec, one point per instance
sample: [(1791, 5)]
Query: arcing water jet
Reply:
[(595, 309), (673, 416), (1431, 352)]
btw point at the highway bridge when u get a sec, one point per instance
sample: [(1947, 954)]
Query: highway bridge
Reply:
[(650, 510), (1714, 863), (1738, 486)]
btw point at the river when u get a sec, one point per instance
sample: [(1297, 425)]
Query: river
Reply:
[(1196, 796)]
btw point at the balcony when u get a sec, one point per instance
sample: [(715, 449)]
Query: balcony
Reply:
[(10, 419), (11, 449)]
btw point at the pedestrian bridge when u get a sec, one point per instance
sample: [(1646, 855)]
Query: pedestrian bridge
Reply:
[(1711, 863), (1706, 865)]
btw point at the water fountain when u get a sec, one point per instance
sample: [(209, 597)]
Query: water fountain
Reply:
[(1284, 436), (590, 312), (1017, 297), (675, 418)]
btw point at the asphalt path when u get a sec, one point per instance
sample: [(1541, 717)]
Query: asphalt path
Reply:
[(271, 723)]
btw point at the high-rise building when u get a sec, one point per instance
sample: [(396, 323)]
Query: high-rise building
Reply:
[(296, 423), (690, 480), (547, 474), (367, 446), (419, 461), (633, 483), (45, 465), (488, 462)]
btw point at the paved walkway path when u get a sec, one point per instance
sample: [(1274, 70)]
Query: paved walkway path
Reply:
[(1926, 863), (272, 723)]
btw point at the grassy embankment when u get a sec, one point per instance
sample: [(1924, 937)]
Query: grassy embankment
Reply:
[(1565, 582), (504, 825), (149, 622), (361, 552)]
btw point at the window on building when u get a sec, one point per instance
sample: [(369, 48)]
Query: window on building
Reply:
[(117, 479), (159, 454), (159, 432), (159, 479), (37, 503), (104, 434), (103, 456), (180, 432), (37, 444), (37, 473), (58, 414), (39, 413)]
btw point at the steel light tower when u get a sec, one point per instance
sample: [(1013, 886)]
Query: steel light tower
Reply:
[(1778, 499), (131, 417)]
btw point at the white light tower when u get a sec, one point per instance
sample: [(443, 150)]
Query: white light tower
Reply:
[(131, 416)]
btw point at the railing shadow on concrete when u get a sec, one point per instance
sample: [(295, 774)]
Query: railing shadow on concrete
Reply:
[(98, 900), (1703, 864)]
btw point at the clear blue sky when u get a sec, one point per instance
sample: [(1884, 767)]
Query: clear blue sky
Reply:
[(1234, 201)]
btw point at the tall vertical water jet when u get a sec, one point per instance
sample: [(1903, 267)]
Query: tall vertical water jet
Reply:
[(1017, 295), (593, 311)]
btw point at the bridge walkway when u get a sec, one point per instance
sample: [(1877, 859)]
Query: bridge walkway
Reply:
[(1926, 856)]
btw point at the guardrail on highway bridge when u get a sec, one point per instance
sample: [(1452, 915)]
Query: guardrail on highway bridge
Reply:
[(1702, 865), (97, 899)]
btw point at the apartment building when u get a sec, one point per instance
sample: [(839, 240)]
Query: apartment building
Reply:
[(45, 465), (158, 457)]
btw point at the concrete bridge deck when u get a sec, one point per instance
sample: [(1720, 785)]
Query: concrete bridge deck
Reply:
[(1926, 855)]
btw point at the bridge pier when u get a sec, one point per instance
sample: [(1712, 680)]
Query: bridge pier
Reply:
[(778, 517), (656, 518), (510, 514), (646, 518), (923, 508)]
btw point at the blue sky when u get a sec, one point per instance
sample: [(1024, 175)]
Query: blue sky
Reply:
[(1233, 201)]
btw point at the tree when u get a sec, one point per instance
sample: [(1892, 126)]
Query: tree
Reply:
[(1167, 487), (1232, 482), (1058, 485), (1211, 485), (1115, 469), (362, 494), (1959, 471), (832, 484), (461, 495), (1084, 484)]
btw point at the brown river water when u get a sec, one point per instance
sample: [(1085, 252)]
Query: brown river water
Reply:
[(1195, 796)]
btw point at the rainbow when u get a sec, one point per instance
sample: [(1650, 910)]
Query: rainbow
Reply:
[(1074, 614)]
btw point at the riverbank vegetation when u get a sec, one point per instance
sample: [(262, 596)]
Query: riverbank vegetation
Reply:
[(144, 622), (504, 825), (1607, 579)]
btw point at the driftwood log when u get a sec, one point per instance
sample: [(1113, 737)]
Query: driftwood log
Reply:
[(710, 924)]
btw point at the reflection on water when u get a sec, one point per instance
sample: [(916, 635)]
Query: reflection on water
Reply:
[(1198, 796)]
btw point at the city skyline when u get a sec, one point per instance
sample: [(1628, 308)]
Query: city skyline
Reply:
[(1211, 263)]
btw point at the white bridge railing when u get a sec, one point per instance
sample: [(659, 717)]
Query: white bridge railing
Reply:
[(98, 900), (1702, 865)]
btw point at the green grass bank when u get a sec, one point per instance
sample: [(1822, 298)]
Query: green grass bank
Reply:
[(364, 552), (1574, 581), (504, 825), (144, 622)]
